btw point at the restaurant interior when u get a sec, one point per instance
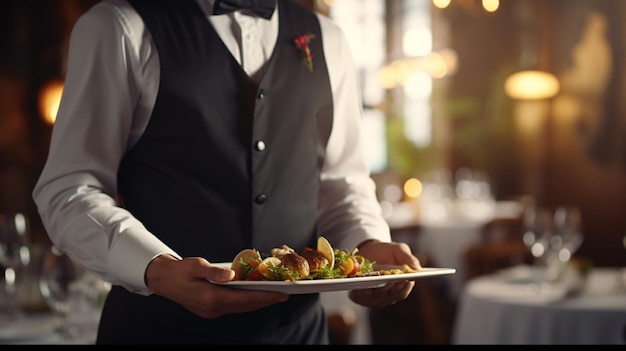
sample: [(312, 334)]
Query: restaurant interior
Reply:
[(477, 114)]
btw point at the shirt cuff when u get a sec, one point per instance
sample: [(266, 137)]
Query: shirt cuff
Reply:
[(130, 255)]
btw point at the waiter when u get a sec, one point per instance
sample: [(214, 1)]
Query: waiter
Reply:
[(192, 129)]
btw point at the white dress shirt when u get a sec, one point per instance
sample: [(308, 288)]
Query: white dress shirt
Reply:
[(110, 88)]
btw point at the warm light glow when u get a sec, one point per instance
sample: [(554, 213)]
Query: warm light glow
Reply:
[(401, 72), (491, 5), (530, 115), (418, 85), (531, 85), (488, 5), (438, 64), (413, 188), (49, 100), (417, 42), (442, 4), (387, 77)]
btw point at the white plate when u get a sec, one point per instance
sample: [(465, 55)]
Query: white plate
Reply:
[(323, 285)]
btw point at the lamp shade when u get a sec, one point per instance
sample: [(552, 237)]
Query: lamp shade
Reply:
[(531, 85)]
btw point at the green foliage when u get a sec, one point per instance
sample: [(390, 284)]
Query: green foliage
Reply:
[(404, 157), (482, 122), (481, 127)]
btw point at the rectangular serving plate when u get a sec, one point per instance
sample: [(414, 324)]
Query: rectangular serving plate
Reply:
[(309, 286)]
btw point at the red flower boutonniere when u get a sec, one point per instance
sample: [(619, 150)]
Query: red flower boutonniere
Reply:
[(302, 42)]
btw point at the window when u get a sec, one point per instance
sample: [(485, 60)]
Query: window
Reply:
[(414, 66), (363, 23)]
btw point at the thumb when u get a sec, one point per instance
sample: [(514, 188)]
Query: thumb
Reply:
[(220, 274)]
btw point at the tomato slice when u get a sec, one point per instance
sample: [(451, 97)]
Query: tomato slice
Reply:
[(357, 266), (254, 275)]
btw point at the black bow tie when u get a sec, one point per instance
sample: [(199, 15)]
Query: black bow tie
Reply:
[(263, 8)]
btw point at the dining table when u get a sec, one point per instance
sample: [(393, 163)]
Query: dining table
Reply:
[(46, 328), (518, 306), (442, 232)]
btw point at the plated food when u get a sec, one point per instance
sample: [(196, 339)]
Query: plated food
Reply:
[(323, 262)]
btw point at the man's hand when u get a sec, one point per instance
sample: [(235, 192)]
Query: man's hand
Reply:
[(187, 283), (395, 253)]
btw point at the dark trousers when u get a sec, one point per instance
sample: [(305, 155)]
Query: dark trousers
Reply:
[(134, 319)]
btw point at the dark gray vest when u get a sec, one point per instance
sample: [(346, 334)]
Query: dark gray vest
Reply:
[(225, 164)]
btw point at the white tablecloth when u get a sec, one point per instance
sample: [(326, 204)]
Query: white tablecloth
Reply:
[(444, 235), (497, 309), (41, 329)]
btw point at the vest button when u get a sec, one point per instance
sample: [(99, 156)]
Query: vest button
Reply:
[(259, 145), (260, 199), (261, 95)]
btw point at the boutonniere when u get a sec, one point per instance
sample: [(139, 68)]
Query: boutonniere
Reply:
[(302, 42)]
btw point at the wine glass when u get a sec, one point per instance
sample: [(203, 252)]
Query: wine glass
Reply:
[(60, 285), (9, 298), (13, 240), (537, 232), (566, 239), (568, 230), (14, 257)]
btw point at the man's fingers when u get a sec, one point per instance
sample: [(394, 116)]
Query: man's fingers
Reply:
[(221, 274)]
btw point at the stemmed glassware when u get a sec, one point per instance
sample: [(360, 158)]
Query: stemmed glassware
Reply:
[(566, 239), (14, 257), (538, 228), (553, 237), (568, 229), (13, 240), (60, 285)]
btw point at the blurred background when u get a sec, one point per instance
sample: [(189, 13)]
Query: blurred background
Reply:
[(445, 102)]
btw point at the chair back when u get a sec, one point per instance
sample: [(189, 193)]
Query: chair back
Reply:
[(499, 247)]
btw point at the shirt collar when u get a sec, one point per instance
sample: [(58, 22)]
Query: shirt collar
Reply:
[(207, 7)]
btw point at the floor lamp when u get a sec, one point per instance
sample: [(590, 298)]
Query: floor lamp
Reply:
[(537, 86)]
